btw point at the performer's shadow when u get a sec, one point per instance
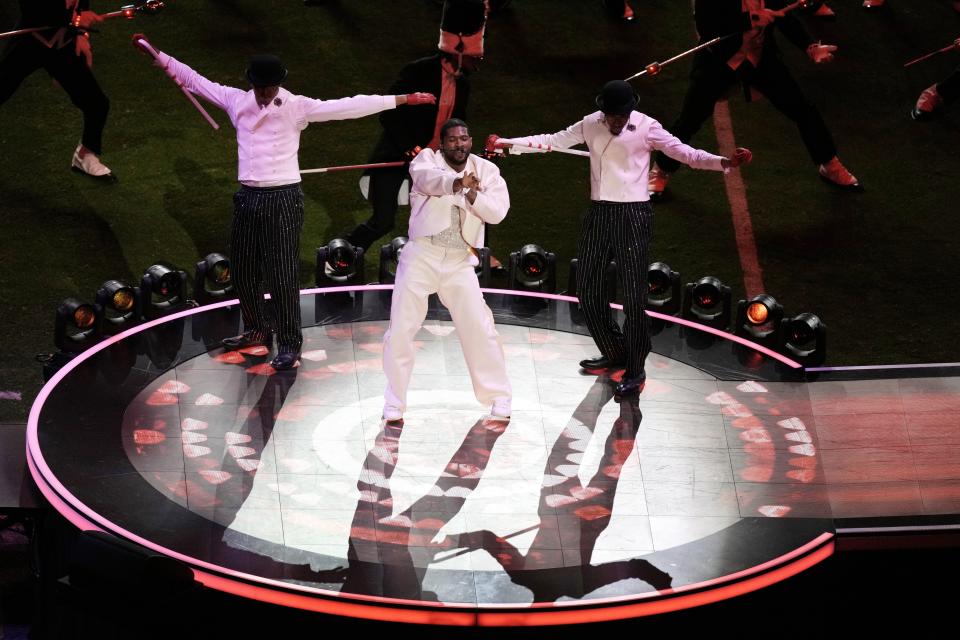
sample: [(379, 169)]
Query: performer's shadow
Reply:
[(582, 509), (389, 554), (243, 449)]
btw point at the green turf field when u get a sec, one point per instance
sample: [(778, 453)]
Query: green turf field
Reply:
[(879, 267)]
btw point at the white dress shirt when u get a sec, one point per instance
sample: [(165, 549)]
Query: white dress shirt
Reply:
[(432, 196), (619, 164), (268, 138)]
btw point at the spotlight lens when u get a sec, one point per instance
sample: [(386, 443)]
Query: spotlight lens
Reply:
[(706, 295), (800, 333), (757, 313), (168, 284), (84, 317), (532, 264), (341, 260), (122, 300), (658, 283), (221, 273)]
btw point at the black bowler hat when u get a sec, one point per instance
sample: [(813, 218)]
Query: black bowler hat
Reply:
[(617, 98), (265, 71)]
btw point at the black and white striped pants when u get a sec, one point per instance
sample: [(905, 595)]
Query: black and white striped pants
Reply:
[(265, 257), (622, 231)]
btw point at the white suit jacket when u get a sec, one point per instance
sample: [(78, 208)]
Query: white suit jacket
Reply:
[(619, 165), (432, 196)]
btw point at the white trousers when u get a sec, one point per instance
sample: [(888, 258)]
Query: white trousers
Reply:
[(426, 268)]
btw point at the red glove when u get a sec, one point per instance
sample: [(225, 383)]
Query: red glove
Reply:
[(740, 156), (491, 145), (421, 98)]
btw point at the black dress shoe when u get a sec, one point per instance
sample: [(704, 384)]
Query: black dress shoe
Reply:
[(601, 362), (244, 340), (285, 361), (630, 385)]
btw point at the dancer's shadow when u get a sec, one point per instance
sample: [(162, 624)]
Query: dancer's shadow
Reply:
[(388, 554), (583, 510)]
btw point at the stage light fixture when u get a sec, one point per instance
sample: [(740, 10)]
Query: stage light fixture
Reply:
[(163, 290), (805, 339), (389, 258), (121, 305), (707, 301), (759, 319), (339, 263), (533, 269), (212, 279), (663, 289), (77, 326)]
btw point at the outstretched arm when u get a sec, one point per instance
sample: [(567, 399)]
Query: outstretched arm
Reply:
[(662, 140), (572, 135), (359, 106), (216, 94)]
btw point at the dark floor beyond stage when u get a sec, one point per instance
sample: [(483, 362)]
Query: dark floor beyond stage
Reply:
[(732, 471)]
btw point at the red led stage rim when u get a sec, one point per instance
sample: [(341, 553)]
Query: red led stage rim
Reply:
[(546, 520)]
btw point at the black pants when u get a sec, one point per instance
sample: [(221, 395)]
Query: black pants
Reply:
[(265, 255), (949, 87), (621, 230), (710, 80), (26, 55), (384, 188)]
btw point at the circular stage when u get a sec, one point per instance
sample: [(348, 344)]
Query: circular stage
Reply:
[(288, 487)]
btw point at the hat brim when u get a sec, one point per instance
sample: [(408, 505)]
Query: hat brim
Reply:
[(618, 109), (266, 81)]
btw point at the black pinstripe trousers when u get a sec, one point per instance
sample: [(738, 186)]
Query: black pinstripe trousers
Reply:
[(622, 231), (265, 258)]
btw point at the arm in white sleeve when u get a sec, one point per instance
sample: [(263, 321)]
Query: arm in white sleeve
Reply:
[(662, 140), (345, 108), (428, 178), (493, 202), (216, 94), (572, 135)]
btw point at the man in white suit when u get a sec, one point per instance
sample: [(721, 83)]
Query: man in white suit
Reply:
[(453, 194)]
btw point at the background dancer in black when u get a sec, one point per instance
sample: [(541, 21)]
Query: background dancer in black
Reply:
[(64, 52)]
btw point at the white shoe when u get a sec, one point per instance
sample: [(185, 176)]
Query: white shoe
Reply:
[(500, 408), (90, 164), (392, 413)]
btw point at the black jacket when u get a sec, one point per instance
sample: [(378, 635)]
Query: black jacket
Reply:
[(721, 17), (47, 13), (408, 127)]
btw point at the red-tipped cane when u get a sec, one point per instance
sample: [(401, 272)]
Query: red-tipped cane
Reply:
[(950, 47), (350, 167), (142, 42), (128, 11), (655, 68)]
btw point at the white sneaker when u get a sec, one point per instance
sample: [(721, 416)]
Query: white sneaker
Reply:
[(90, 164), (392, 413), (500, 408)]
